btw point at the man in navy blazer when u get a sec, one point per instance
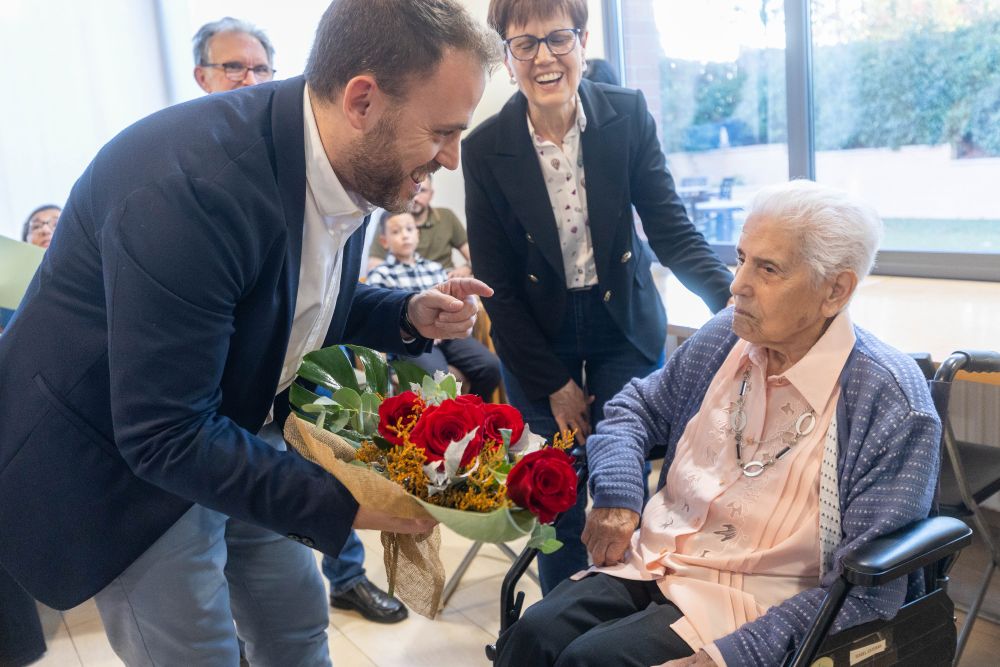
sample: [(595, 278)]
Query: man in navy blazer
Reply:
[(202, 253)]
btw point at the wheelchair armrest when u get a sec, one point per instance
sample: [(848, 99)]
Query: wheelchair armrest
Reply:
[(906, 550)]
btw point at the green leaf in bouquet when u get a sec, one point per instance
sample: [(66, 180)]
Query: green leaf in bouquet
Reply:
[(502, 525), (407, 373), (543, 538), (500, 471), (329, 367), (376, 369), (349, 398), (368, 416), (299, 396), (505, 436), (431, 392), (448, 385), (313, 372), (382, 443), (337, 421)]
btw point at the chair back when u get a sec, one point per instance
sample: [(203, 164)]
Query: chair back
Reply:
[(726, 188)]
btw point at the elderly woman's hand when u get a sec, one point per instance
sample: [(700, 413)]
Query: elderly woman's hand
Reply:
[(608, 534)]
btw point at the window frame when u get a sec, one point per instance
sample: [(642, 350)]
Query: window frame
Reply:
[(801, 146)]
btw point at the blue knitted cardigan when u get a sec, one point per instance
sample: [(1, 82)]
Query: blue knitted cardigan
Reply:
[(888, 439)]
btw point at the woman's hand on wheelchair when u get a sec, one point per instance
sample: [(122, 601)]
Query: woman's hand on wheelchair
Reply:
[(608, 534)]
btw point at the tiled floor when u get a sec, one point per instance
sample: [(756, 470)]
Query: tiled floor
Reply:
[(455, 639)]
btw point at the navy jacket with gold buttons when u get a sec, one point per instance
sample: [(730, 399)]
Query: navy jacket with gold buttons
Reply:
[(515, 244)]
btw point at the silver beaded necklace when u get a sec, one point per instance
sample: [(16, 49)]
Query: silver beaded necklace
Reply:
[(804, 425)]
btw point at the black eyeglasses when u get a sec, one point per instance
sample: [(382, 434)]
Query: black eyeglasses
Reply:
[(238, 71), (560, 42)]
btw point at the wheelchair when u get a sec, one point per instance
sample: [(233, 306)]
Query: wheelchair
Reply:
[(922, 634)]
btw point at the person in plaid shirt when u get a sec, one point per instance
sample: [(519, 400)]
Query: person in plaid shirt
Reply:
[(405, 269)]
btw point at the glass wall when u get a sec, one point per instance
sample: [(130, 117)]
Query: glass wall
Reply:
[(900, 105), (907, 115), (717, 91)]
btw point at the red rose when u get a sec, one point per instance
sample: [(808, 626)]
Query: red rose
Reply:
[(544, 483), (502, 416), (452, 420), (469, 399), (405, 407)]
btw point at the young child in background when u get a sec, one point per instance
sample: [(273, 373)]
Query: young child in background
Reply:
[(404, 268)]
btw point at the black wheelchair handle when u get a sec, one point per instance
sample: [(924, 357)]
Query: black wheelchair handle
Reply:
[(970, 361)]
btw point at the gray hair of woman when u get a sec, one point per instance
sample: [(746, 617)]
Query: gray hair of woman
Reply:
[(228, 24), (836, 231)]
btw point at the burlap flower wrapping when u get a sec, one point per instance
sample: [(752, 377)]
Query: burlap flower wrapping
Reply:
[(412, 561)]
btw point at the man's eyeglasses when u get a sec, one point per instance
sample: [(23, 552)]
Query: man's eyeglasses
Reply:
[(560, 42), (238, 71)]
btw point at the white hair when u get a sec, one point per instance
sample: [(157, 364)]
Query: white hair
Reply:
[(836, 232)]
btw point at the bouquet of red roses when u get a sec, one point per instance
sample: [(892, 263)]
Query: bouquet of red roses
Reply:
[(429, 450)]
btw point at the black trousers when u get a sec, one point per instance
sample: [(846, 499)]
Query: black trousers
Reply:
[(595, 622), (21, 638), (480, 366)]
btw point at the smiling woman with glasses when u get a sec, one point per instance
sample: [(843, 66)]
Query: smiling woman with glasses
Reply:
[(559, 42), (551, 182)]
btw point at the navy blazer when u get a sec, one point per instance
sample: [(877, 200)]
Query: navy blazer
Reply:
[(148, 348), (515, 243)]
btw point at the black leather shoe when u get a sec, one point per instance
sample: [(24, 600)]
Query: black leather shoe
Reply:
[(372, 602)]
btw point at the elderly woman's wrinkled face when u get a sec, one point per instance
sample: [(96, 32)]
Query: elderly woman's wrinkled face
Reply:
[(42, 226), (777, 303), (548, 81)]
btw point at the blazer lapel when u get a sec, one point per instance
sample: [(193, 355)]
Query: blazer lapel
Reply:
[(605, 164), (290, 173), (519, 175)]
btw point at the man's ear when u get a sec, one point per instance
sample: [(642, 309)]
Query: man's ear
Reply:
[(361, 97), (199, 76)]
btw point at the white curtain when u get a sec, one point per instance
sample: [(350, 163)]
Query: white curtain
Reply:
[(76, 73)]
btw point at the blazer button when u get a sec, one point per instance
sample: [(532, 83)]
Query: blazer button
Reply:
[(607, 296), (530, 238), (627, 256), (532, 277), (306, 542), (293, 537)]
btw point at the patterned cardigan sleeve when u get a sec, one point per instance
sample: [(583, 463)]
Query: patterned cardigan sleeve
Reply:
[(888, 473)]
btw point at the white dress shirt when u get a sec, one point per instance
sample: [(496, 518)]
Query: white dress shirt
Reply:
[(331, 215)]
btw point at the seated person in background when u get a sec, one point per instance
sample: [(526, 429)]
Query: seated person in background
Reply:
[(41, 225), (37, 230), (792, 437), (405, 268), (440, 232)]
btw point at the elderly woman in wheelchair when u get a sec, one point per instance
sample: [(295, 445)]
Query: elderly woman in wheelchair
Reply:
[(791, 436)]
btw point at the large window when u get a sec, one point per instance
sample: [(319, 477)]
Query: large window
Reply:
[(907, 100), (897, 102)]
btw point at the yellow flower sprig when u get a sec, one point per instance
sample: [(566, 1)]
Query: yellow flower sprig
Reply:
[(564, 439)]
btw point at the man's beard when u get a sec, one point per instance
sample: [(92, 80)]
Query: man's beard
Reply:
[(378, 175)]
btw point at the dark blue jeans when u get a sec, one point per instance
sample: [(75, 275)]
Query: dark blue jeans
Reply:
[(348, 569), (593, 347)]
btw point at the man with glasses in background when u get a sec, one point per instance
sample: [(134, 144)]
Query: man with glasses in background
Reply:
[(230, 54)]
